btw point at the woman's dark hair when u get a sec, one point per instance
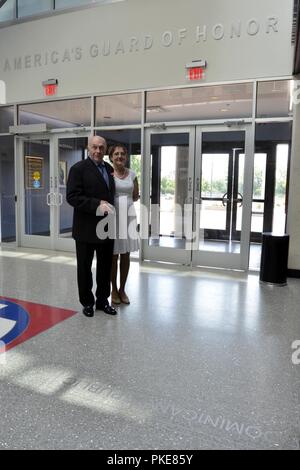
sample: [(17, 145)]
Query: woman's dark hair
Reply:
[(113, 148)]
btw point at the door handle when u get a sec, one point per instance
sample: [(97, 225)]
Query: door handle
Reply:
[(224, 199), (237, 200), (241, 199), (51, 199), (58, 199)]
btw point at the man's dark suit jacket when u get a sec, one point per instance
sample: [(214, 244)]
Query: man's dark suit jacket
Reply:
[(86, 187)]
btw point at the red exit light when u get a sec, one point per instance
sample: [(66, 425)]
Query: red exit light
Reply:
[(50, 86), (195, 73), (50, 90)]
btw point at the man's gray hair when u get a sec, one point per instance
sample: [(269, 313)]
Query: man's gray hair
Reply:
[(91, 136)]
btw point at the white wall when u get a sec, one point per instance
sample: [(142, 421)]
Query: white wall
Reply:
[(150, 43)]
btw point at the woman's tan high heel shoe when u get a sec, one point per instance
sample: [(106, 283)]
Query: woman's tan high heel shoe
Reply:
[(115, 299), (123, 297)]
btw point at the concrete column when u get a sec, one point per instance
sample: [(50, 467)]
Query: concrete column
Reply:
[(293, 218)]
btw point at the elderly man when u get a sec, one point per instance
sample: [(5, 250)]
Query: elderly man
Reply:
[(90, 190)]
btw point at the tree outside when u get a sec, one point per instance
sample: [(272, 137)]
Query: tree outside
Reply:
[(135, 165)]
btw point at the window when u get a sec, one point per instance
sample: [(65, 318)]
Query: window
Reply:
[(12, 9), (7, 11), (57, 114), (274, 99), (7, 185), (270, 177), (71, 3), (6, 118), (118, 109), (32, 7), (207, 102), (131, 138)]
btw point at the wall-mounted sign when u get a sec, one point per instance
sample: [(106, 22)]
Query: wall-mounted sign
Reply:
[(34, 172), (154, 52)]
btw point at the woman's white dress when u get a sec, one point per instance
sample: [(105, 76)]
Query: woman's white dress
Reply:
[(127, 238)]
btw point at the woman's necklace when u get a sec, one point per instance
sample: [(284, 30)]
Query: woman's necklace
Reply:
[(121, 176)]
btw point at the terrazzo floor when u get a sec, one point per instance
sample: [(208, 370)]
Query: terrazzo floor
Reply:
[(200, 359)]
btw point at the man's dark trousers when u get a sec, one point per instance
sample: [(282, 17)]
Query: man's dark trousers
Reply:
[(85, 253)]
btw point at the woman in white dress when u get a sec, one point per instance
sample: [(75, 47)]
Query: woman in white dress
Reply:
[(127, 191)]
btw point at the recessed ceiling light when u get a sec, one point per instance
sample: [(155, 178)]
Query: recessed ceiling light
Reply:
[(155, 109), (225, 109)]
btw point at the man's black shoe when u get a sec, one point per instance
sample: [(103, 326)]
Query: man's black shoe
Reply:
[(107, 309), (88, 311)]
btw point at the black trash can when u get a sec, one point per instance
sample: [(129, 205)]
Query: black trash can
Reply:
[(274, 258)]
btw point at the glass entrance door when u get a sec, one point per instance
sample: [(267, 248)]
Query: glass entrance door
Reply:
[(44, 216), (166, 218), (68, 150), (220, 193), (222, 211), (198, 198), (35, 192)]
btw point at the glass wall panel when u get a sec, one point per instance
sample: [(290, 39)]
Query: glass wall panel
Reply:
[(37, 188), (70, 151), (258, 194), (131, 138), (57, 114), (281, 165), (32, 7), (7, 11), (7, 189), (6, 118), (118, 109), (208, 102), (71, 3), (257, 217), (269, 201), (274, 99), (169, 184), (221, 188)]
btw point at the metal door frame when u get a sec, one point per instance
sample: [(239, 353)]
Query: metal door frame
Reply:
[(219, 259), (61, 243), (194, 256), (53, 241), (23, 239), (166, 254)]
